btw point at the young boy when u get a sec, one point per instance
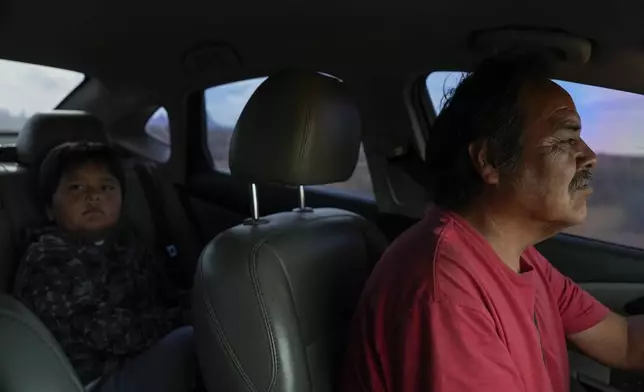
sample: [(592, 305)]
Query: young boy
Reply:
[(98, 290)]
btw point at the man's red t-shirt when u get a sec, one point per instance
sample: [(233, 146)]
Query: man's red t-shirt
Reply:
[(442, 312)]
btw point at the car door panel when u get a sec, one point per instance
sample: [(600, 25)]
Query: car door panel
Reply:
[(618, 296), (586, 260), (615, 276)]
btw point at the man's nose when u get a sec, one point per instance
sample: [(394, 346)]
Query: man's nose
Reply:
[(587, 159)]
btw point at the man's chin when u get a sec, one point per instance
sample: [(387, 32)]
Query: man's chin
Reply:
[(578, 214)]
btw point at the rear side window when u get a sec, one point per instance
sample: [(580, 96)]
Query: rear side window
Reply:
[(158, 126), (612, 126), (224, 104), (26, 89)]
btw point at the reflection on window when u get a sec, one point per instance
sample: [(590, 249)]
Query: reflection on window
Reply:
[(224, 105), (158, 126), (26, 89), (612, 126)]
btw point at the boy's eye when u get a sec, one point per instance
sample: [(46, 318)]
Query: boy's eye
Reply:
[(75, 187), (109, 187)]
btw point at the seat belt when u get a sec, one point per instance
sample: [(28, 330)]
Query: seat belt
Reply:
[(186, 203), (412, 164), (165, 240)]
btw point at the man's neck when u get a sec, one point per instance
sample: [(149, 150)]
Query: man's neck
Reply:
[(509, 233)]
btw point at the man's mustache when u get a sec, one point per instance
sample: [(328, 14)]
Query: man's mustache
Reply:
[(581, 179)]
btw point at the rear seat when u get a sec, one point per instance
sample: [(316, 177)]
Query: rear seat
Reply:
[(21, 211)]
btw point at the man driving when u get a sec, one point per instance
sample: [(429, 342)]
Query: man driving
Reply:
[(462, 301)]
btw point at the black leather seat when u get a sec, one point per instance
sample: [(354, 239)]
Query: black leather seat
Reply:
[(32, 360), (273, 297)]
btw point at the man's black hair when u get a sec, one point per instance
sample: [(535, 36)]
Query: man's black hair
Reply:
[(69, 156), (484, 108)]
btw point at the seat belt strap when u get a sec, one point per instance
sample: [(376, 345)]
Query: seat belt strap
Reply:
[(165, 240)]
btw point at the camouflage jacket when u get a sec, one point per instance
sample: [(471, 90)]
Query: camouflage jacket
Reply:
[(104, 302)]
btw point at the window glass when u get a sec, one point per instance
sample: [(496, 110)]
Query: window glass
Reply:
[(224, 105), (26, 89), (611, 121), (158, 126)]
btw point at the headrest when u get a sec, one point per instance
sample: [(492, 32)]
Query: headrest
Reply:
[(44, 131), (298, 128)]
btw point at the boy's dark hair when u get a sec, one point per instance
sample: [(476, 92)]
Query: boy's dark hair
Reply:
[(69, 156), (484, 108)]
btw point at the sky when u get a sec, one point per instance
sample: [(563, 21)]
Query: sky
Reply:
[(612, 120), (225, 103), (32, 88)]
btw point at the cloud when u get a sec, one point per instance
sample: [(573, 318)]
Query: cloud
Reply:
[(33, 88)]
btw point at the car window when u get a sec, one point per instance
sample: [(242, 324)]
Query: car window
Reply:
[(611, 126), (224, 104), (26, 89), (158, 126)]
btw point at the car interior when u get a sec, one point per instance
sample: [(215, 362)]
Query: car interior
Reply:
[(274, 149)]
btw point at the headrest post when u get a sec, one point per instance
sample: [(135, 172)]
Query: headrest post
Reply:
[(302, 207), (253, 194), (254, 220), (302, 198)]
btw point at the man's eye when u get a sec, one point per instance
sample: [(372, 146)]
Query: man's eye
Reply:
[(75, 187), (571, 141), (109, 187)]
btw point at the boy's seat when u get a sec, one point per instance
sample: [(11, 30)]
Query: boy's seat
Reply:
[(31, 359), (21, 210)]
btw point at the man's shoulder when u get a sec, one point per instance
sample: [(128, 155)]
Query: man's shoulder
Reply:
[(432, 260)]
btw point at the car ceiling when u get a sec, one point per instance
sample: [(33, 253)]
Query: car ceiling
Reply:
[(145, 42)]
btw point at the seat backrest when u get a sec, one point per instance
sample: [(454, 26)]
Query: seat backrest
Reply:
[(273, 297), (31, 360)]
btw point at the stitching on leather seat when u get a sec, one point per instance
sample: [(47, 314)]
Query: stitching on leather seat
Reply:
[(259, 293), (222, 336), (252, 265)]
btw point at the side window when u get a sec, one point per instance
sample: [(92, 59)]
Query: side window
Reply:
[(224, 104), (611, 126), (158, 126), (26, 89)]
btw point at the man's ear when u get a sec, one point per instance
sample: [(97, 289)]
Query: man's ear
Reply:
[(479, 156)]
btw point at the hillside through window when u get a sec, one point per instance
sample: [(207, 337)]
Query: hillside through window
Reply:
[(612, 126), (26, 89)]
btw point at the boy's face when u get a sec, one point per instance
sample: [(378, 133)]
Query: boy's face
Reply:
[(87, 200)]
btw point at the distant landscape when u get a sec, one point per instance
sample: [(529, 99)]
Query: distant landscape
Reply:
[(10, 123), (616, 211)]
